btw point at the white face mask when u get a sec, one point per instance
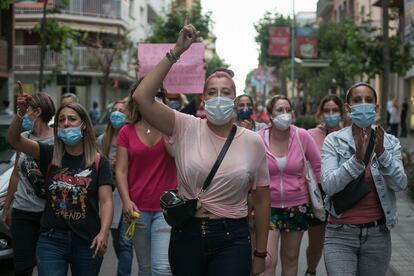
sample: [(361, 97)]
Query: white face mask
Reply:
[(282, 121), (219, 110)]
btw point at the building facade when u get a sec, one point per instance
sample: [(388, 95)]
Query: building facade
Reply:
[(6, 55), (77, 71), (357, 10)]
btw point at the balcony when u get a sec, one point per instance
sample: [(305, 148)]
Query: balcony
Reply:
[(4, 56), (106, 9), (27, 58), (324, 7)]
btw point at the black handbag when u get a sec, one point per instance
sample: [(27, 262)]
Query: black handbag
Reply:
[(178, 210), (357, 189)]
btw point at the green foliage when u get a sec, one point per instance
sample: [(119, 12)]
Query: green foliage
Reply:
[(167, 26), (57, 35), (355, 51), (306, 121), (262, 38), (5, 4), (215, 62)]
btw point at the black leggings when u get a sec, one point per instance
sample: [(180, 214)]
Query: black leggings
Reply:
[(25, 232)]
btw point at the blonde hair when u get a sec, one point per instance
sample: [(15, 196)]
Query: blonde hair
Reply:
[(88, 139), (45, 103), (110, 132)]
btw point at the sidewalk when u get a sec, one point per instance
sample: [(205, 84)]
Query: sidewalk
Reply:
[(402, 259)]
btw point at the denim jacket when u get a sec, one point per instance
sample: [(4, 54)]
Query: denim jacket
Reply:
[(339, 167)]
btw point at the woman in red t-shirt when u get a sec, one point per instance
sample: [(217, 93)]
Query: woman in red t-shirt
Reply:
[(144, 170)]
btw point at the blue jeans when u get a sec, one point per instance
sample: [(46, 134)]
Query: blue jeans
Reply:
[(56, 249), (151, 238), (218, 247), (123, 249), (350, 250)]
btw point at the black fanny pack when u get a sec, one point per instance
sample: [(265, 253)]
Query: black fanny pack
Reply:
[(178, 210), (357, 189)]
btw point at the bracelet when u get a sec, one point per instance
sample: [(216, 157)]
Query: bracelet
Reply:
[(260, 254), (172, 56)]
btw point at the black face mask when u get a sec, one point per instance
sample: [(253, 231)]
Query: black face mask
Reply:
[(245, 113)]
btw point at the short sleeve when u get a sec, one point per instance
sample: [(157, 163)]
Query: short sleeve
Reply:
[(181, 123), (261, 175), (104, 173), (46, 156), (122, 139)]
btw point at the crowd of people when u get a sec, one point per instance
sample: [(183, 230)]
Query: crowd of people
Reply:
[(69, 190)]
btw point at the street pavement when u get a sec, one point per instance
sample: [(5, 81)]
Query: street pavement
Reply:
[(402, 259)]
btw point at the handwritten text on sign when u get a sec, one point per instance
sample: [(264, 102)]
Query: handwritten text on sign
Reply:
[(185, 76)]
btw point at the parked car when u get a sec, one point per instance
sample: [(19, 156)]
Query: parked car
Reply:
[(7, 158)]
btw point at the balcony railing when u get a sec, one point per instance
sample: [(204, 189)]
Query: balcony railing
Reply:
[(324, 7), (85, 59), (113, 9), (4, 56)]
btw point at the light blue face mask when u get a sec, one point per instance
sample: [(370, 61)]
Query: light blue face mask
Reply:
[(332, 120), (174, 104), (27, 124), (363, 115), (71, 135), (219, 110), (117, 119)]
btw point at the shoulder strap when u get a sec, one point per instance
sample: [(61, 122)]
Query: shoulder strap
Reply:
[(219, 158), (300, 144)]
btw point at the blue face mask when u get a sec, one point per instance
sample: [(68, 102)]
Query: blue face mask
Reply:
[(70, 136), (332, 120), (117, 119), (363, 115), (27, 123), (245, 113), (174, 104)]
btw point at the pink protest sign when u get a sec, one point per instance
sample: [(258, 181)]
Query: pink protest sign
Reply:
[(186, 76)]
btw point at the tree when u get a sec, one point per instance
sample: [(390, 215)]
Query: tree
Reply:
[(5, 4), (54, 35), (106, 50), (355, 51), (262, 38), (167, 27)]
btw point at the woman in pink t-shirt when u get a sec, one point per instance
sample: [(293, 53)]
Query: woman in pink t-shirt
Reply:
[(290, 207), (330, 114), (144, 171), (217, 240)]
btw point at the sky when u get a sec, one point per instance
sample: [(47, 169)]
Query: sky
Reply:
[(234, 28)]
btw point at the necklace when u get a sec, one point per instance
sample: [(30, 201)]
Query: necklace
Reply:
[(146, 128)]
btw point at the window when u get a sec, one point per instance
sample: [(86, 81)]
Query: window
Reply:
[(132, 9)]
